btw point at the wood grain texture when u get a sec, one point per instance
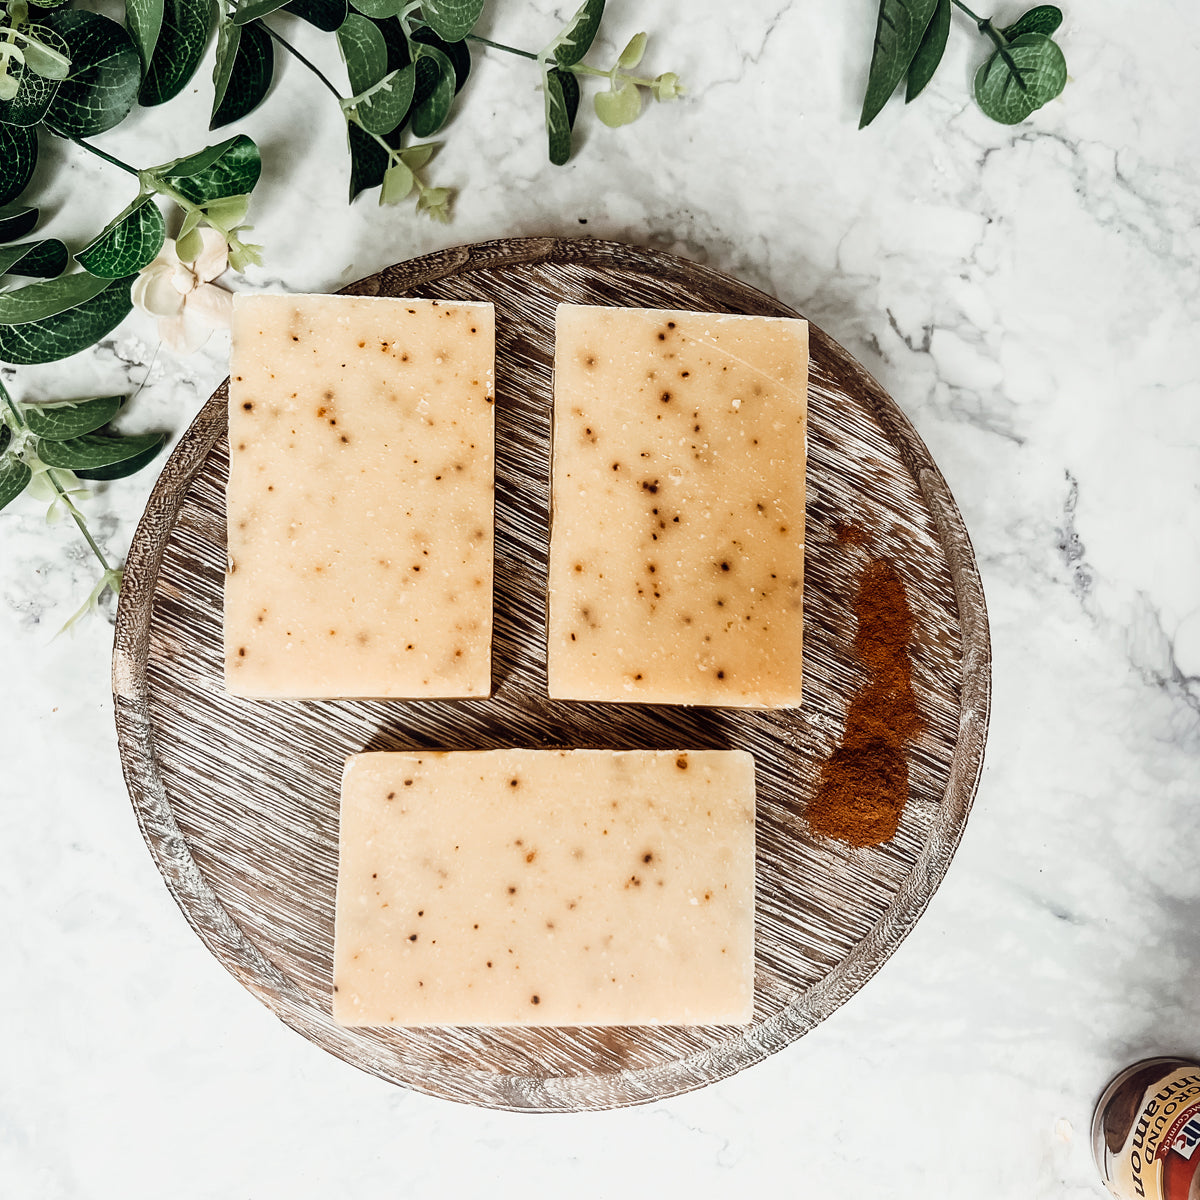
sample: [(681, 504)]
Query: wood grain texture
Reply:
[(238, 799)]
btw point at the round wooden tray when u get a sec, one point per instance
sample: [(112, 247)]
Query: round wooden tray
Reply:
[(238, 799)]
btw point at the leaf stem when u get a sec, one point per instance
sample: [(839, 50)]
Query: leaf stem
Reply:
[(108, 158), (984, 24), (297, 55), (613, 75), (76, 515), (473, 37), (974, 16)]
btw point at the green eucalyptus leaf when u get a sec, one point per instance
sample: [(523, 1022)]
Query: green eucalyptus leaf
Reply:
[(929, 52), (363, 51), (188, 245), (452, 19), (253, 10), (619, 106), (562, 103), (633, 52), (229, 37), (380, 10), (456, 52), (576, 37), (124, 468), (128, 243), (1045, 18), (14, 478), (326, 15), (416, 157), (61, 419), (1017, 80), (34, 260), (227, 212), (381, 108), (31, 97), (16, 220), (43, 322), (182, 40), (105, 74), (368, 160), (18, 157), (46, 53), (243, 85), (899, 32), (91, 451), (429, 75), (398, 182), (230, 168), (431, 114), (143, 19)]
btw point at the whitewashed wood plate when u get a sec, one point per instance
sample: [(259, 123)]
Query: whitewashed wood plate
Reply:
[(238, 799)]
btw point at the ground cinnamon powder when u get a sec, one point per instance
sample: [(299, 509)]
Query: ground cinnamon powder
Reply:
[(864, 783)]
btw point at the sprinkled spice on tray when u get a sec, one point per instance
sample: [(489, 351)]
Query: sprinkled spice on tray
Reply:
[(864, 783)]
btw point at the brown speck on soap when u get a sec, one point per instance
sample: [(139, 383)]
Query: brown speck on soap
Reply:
[(682, 763), (535, 1000), (248, 405)]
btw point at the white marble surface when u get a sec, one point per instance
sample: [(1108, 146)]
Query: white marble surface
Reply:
[(1030, 298)]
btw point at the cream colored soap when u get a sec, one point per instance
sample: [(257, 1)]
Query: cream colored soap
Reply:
[(546, 887), (677, 543), (360, 498)]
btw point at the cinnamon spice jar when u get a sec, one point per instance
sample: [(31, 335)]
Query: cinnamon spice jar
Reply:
[(1146, 1131)]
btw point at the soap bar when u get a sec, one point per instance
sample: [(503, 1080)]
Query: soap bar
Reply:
[(677, 540), (360, 498), (546, 887)]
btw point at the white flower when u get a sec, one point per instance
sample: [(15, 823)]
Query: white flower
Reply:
[(182, 296)]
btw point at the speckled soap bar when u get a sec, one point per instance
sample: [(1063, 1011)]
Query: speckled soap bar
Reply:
[(546, 887), (677, 540), (360, 498)]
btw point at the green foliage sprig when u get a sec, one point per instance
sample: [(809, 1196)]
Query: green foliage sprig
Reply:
[(73, 74), (1025, 70), (52, 447)]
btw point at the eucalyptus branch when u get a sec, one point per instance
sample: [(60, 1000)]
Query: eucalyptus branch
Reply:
[(22, 426), (1025, 71)]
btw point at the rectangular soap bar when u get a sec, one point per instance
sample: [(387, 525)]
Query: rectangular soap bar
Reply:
[(677, 541), (360, 498), (546, 887)]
